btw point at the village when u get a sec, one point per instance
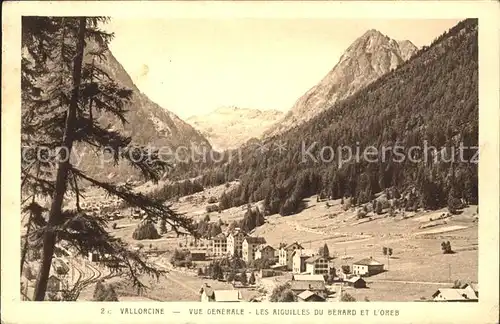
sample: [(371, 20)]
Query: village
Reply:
[(284, 260), (313, 276)]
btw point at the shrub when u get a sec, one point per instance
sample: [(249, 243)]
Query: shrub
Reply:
[(145, 231), (361, 213), (181, 258), (231, 276), (99, 291), (212, 208), (212, 200), (262, 263), (251, 280), (346, 269), (200, 272), (282, 293), (104, 292), (163, 226), (346, 297), (446, 247), (111, 294), (378, 209), (243, 278), (384, 250)]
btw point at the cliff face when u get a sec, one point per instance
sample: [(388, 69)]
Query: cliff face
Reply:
[(369, 57), (147, 124)]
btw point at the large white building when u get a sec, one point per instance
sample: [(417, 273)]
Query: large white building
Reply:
[(219, 245), (265, 251), (286, 254), (249, 247), (367, 267), (317, 265), (235, 242), (208, 294), (299, 257)]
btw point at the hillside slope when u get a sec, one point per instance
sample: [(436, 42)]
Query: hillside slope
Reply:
[(147, 124), (365, 60), (432, 99)]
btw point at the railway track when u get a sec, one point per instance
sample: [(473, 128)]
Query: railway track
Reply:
[(85, 278)]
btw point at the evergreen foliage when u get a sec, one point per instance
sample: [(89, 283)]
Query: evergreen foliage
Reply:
[(432, 98), (65, 88), (145, 231)]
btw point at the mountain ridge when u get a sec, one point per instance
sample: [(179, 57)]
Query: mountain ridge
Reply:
[(369, 57), (148, 124)]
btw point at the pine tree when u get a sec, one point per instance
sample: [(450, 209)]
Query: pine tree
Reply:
[(163, 226), (64, 89), (324, 251)]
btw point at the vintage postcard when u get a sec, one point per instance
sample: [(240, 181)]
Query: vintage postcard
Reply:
[(197, 162)]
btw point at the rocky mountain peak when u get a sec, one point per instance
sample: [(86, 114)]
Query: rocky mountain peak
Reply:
[(369, 57)]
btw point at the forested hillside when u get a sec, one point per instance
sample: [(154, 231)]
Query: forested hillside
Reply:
[(431, 98)]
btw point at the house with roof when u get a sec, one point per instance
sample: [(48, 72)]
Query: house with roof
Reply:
[(316, 286), (249, 247), (286, 254), (208, 294), (219, 245), (367, 267), (309, 296), (455, 295), (356, 282), (473, 287), (235, 242), (198, 255), (265, 251), (317, 265), (307, 277), (299, 258)]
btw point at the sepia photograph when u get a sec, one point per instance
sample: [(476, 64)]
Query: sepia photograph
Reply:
[(181, 157), (249, 160)]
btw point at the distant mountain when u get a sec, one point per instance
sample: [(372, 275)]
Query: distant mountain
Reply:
[(230, 127), (369, 57), (147, 124), (430, 100)]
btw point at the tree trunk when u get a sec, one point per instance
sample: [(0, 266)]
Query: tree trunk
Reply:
[(49, 238), (26, 242)]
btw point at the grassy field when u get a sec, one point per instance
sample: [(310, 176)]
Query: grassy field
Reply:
[(377, 291), (414, 237)]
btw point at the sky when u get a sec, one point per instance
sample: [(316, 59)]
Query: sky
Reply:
[(193, 66)]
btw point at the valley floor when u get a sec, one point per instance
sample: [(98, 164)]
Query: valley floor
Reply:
[(415, 271)]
